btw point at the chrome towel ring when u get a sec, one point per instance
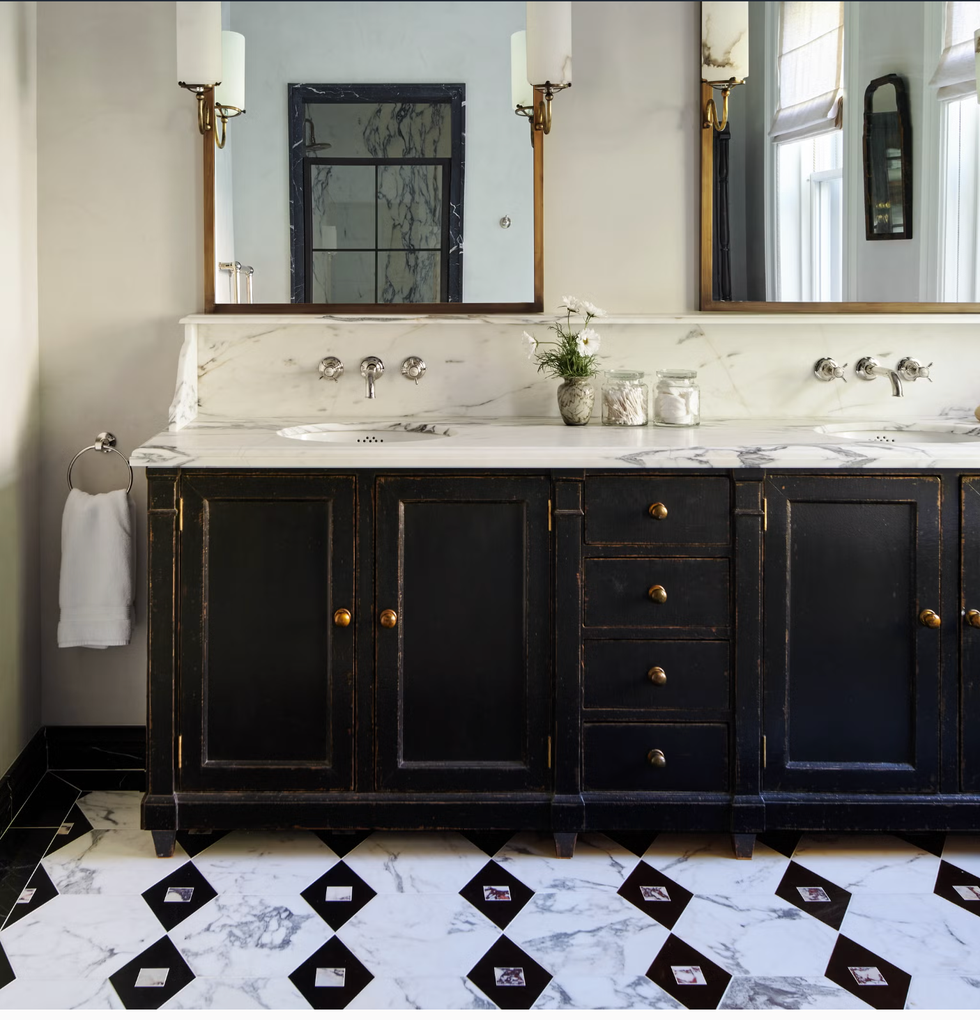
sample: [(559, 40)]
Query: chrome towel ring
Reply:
[(104, 443)]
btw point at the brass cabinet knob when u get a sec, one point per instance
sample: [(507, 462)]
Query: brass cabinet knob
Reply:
[(657, 676), (389, 618), (658, 593), (973, 617), (929, 619), (657, 511), (657, 759), (342, 618)]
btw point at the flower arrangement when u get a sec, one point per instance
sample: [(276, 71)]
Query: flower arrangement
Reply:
[(573, 354)]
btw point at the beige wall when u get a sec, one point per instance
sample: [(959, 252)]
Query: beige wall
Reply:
[(20, 692)]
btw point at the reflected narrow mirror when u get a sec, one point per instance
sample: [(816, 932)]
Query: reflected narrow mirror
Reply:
[(887, 160)]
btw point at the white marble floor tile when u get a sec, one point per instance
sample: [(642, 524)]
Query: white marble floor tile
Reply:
[(571, 992), (588, 932), (788, 993), (84, 993), (869, 863), (703, 863), (265, 863), (962, 850), (110, 862), (598, 863), (241, 993), (925, 935), (946, 992), (761, 935), (416, 862), (421, 993), (80, 937), (409, 936), (112, 809), (250, 936)]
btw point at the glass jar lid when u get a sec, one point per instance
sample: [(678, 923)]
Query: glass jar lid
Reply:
[(677, 374), (624, 375)]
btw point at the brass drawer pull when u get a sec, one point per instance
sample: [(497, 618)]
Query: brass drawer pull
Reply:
[(657, 511), (658, 593), (659, 677), (389, 618), (929, 619), (342, 618), (656, 759), (973, 617)]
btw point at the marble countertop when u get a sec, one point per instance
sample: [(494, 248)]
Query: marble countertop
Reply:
[(547, 443)]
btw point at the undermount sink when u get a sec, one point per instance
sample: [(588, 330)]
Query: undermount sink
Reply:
[(889, 432), (367, 433)]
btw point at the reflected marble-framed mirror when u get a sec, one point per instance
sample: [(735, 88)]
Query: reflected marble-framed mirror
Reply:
[(347, 194), (782, 200)]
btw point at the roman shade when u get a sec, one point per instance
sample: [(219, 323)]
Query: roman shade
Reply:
[(956, 75)]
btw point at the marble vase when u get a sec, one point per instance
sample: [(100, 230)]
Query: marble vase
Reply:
[(576, 395)]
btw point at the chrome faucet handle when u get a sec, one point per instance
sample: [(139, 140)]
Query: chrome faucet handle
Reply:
[(911, 369), (331, 368), (826, 370), (865, 368), (372, 368), (413, 368), (868, 368)]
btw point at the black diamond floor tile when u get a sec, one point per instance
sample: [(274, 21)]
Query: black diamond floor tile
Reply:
[(868, 976), (179, 895), (655, 894), (635, 841), (814, 895), (153, 977), (331, 977), (959, 887), (490, 841), (784, 843), (689, 976), (342, 842), (338, 895), (194, 842), (496, 894), (74, 825), (6, 971), (931, 842), (38, 891), (509, 977), (104, 779), (48, 805), (20, 852)]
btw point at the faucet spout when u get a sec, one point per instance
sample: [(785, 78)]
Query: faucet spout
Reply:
[(371, 368), (895, 378), (868, 368)]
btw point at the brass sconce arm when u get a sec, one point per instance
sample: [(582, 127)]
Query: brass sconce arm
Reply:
[(540, 114), (711, 118)]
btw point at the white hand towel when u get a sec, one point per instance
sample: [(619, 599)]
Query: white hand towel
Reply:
[(96, 593)]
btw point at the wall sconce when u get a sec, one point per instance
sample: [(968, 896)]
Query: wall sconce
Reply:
[(229, 94), (547, 64), (724, 53)]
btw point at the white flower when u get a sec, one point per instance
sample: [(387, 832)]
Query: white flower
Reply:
[(591, 309), (571, 303), (530, 344), (587, 342)]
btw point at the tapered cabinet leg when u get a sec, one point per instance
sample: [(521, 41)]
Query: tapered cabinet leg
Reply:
[(163, 842), (565, 844), (743, 845)]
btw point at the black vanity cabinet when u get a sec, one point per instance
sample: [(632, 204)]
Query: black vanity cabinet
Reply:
[(969, 636)]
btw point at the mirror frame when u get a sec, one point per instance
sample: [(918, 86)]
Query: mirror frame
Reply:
[(709, 304), (440, 308), (905, 149)]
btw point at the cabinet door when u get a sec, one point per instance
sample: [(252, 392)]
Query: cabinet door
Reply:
[(266, 676), (463, 677), (970, 637), (851, 674)]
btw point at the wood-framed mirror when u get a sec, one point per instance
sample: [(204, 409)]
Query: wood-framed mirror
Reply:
[(790, 235), (352, 186)]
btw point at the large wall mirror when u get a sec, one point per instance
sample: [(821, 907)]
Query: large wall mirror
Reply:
[(379, 167), (785, 184)]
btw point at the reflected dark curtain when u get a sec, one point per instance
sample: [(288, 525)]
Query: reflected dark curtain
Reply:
[(721, 262)]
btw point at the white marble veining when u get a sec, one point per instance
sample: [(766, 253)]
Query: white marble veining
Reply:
[(944, 992), (421, 993), (83, 993), (703, 863), (112, 809), (869, 862), (238, 993), (598, 863), (574, 992), (788, 993)]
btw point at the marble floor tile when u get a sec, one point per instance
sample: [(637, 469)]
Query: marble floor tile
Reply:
[(265, 863), (83, 993), (112, 809), (963, 851), (400, 935), (48, 803), (238, 993), (942, 992), (869, 863), (586, 992), (788, 993), (761, 935), (20, 850), (249, 936), (599, 862), (421, 993), (703, 863), (587, 933), (416, 862), (110, 862), (925, 935)]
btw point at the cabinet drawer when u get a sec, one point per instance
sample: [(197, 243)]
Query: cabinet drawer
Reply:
[(695, 754), (617, 593), (697, 675), (617, 511)]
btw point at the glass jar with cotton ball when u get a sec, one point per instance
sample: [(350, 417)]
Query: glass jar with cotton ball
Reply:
[(677, 400)]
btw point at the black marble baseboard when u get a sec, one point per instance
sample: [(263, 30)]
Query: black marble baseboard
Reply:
[(24, 774)]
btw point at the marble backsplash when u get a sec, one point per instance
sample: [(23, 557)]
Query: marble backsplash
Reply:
[(245, 367)]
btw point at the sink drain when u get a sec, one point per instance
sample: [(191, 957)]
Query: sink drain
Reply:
[(371, 439)]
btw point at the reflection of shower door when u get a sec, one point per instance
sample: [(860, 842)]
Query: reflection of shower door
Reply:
[(377, 230)]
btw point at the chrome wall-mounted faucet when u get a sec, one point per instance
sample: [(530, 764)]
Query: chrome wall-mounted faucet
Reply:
[(372, 368), (826, 370), (331, 368), (868, 368), (413, 368), (911, 369)]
